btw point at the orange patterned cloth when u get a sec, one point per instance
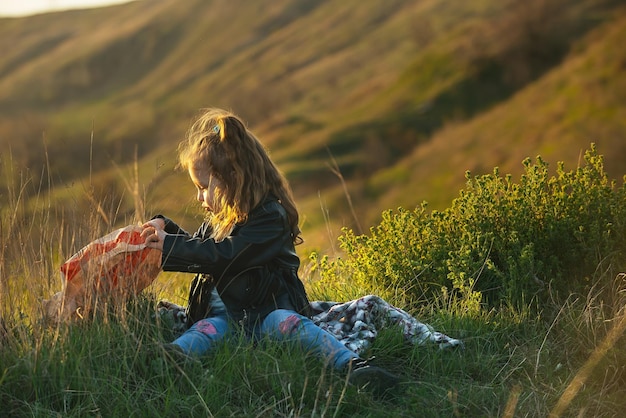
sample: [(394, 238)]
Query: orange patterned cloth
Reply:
[(115, 266), (120, 254)]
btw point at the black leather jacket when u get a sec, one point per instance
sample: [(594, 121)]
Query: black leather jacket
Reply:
[(255, 268)]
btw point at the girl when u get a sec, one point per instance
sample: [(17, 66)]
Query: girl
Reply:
[(245, 250)]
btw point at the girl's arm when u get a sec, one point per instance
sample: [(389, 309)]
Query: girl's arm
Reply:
[(257, 242)]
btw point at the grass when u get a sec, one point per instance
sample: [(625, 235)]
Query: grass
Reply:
[(115, 367), (514, 363)]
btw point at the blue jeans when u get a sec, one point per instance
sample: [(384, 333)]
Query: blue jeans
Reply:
[(279, 325)]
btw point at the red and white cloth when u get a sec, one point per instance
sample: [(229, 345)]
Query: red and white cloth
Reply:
[(113, 267)]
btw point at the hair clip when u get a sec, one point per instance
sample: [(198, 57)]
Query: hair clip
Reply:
[(216, 129)]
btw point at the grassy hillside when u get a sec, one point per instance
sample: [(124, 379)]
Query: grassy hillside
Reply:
[(556, 116), (404, 96), (366, 106)]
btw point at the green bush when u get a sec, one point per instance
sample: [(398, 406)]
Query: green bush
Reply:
[(500, 243)]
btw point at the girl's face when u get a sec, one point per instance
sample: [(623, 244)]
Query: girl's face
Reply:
[(207, 185)]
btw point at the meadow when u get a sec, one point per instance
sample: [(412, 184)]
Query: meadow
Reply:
[(529, 273)]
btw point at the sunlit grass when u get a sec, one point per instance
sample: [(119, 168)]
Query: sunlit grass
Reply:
[(516, 361)]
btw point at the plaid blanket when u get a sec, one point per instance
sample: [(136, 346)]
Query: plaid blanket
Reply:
[(355, 323)]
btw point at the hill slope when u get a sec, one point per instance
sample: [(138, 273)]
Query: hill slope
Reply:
[(557, 116), (404, 95)]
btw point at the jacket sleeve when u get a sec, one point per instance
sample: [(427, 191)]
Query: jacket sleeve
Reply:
[(256, 243), (170, 226)]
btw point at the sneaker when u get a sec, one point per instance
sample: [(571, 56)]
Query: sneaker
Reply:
[(375, 379)]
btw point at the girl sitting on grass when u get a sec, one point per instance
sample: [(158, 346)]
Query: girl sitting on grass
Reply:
[(245, 249)]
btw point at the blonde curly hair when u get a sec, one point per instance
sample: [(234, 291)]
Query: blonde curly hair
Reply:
[(218, 141)]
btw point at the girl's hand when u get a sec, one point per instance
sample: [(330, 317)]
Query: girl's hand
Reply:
[(153, 233)]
